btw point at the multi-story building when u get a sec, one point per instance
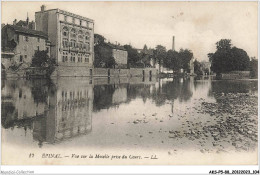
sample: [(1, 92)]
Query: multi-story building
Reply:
[(71, 37), (19, 44)]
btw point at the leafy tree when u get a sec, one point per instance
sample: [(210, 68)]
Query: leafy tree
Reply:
[(103, 56), (197, 68), (160, 55), (146, 56), (98, 39), (172, 60), (42, 59), (185, 55), (227, 58), (133, 57), (224, 44)]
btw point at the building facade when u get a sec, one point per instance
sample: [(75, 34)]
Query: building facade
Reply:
[(19, 45), (71, 37), (120, 57)]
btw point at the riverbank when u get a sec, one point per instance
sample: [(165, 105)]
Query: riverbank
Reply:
[(227, 125)]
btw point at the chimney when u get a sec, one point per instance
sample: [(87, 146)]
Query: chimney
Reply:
[(27, 19), (43, 8), (14, 22), (173, 43)]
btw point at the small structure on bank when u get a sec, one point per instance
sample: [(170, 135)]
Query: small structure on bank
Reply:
[(19, 42)]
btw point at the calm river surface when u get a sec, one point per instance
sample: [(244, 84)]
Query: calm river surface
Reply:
[(160, 114)]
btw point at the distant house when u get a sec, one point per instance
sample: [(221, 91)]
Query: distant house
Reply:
[(206, 67), (120, 55), (20, 42)]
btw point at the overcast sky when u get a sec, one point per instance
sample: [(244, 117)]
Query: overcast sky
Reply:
[(195, 25)]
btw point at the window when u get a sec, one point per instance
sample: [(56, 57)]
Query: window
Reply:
[(80, 22), (88, 47), (38, 39), (73, 33), (86, 58), (72, 58), (65, 57), (20, 93), (65, 32), (21, 58), (87, 37), (79, 58), (26, 38), (65, 18), (65, 43), (73, 43), (38, 48), (25, 56), (80, 39)]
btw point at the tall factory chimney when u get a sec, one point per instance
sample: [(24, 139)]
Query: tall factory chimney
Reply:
[(173, 44)]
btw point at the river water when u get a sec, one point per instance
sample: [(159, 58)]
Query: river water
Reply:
[(125, 113)]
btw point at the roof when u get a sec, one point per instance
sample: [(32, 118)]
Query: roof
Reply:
[(27, 31), (113, 46), (22, 23), (68, 13)]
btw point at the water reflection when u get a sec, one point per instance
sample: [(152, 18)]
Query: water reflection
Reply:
[(56, 110), (53, 110)]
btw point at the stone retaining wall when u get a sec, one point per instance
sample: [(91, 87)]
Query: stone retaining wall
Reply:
[(76, 71), (235, 75)]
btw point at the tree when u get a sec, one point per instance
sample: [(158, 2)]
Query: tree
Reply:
[(224, 44), (172, 61), (98, 39), (197, 68), (103, 56), (133, 57), (227, 58), (185, 55), (160, 54), (42, 59), (146, 56)]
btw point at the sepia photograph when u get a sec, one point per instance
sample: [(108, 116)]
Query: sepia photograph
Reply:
[(129, 83)]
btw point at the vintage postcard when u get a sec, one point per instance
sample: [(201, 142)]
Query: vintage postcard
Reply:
[(129, 83)]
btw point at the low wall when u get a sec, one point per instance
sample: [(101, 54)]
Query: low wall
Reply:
[(100, 72), (136, 72), (235, 75), (71, 71), (132, 72), (76, 71)]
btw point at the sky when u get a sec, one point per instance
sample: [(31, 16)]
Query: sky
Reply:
[(197, 26)]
